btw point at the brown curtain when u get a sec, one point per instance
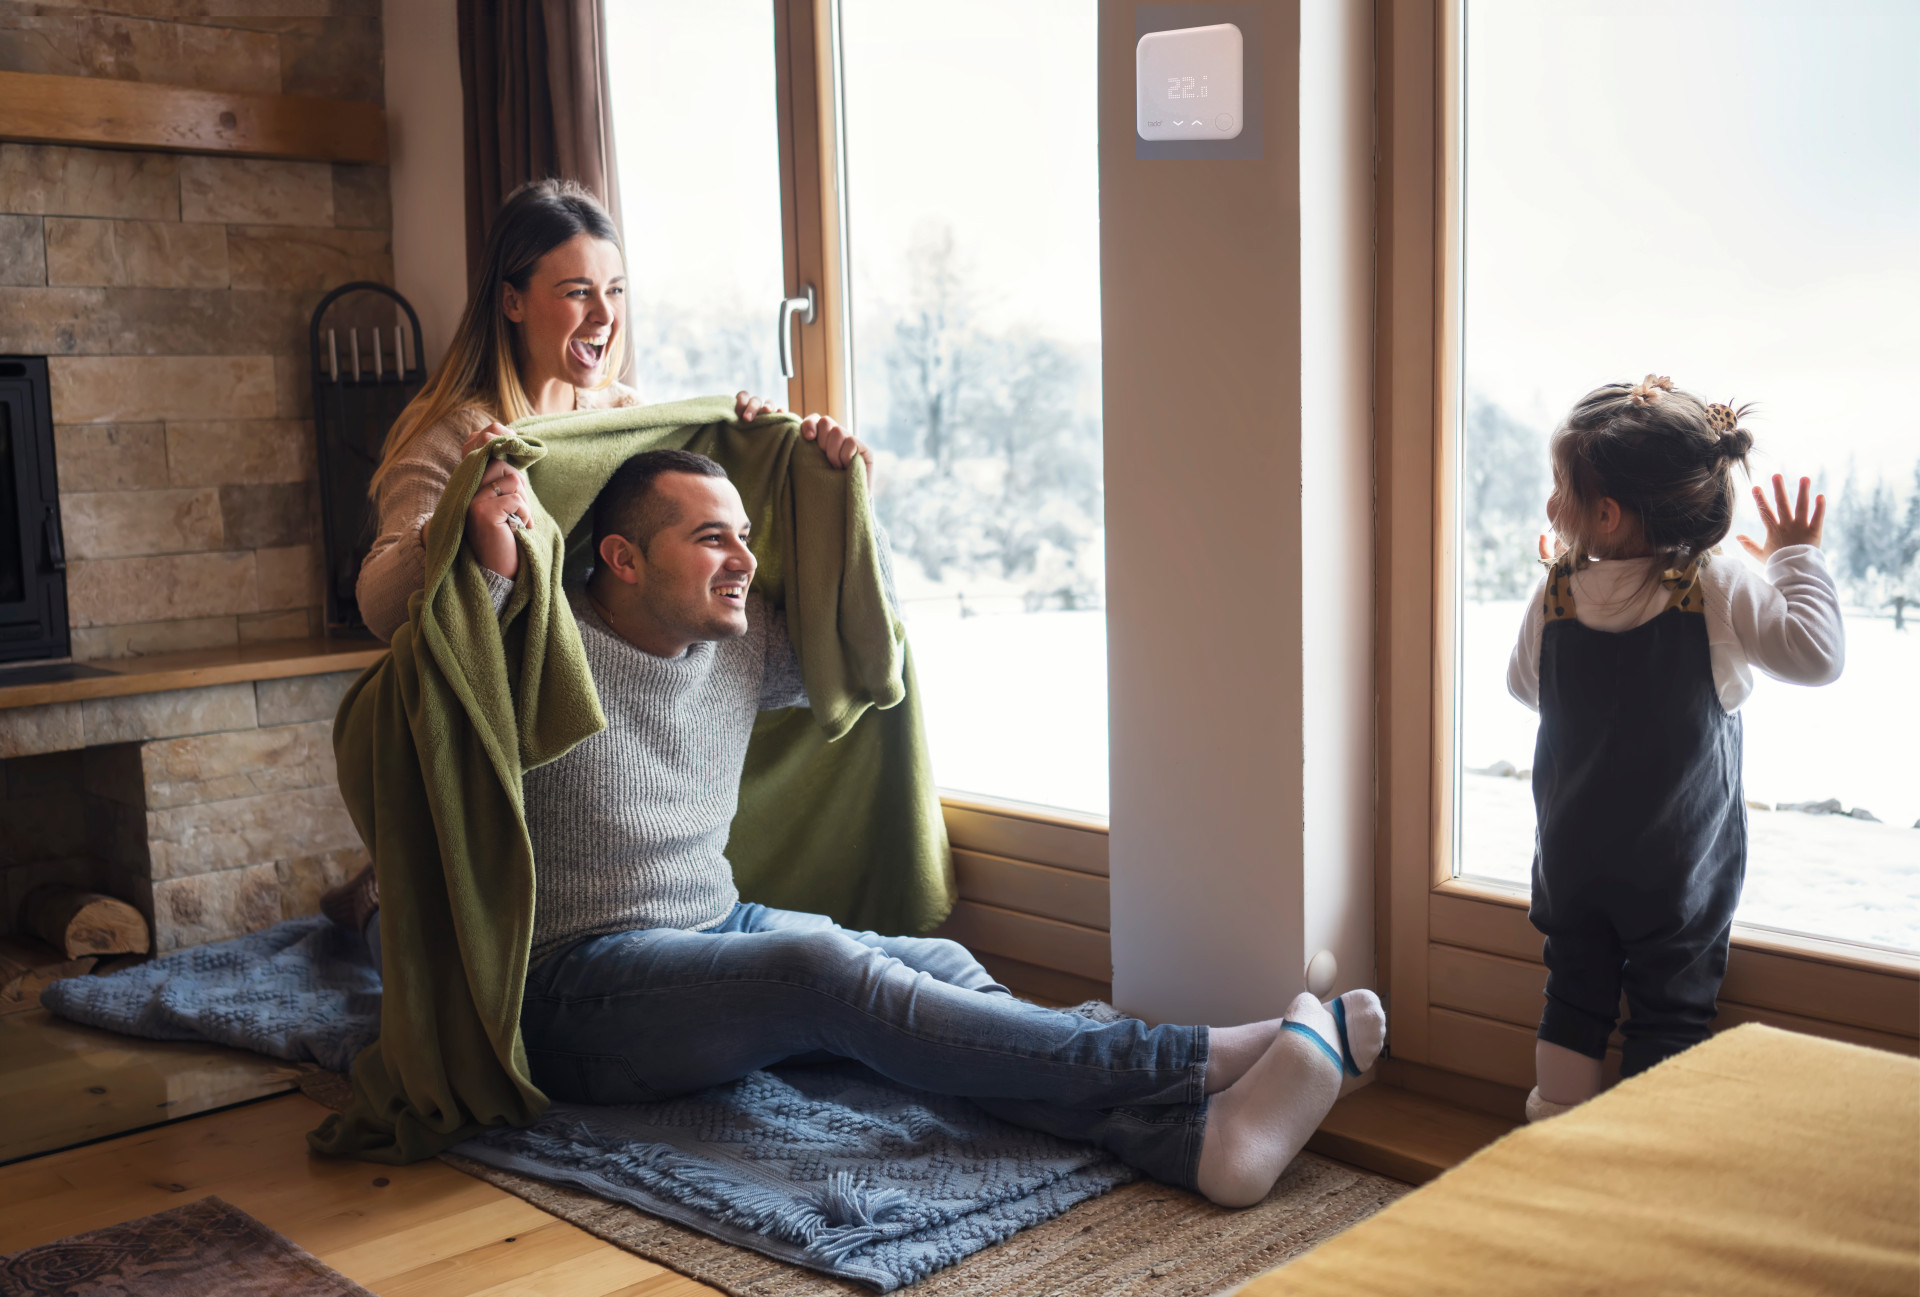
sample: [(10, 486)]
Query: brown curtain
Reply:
[(533, 78)]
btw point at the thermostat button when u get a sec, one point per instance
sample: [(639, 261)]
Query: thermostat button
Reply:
[(1224, 121)]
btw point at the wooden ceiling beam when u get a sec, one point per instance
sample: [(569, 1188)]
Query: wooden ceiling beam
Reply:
[(95, 111)]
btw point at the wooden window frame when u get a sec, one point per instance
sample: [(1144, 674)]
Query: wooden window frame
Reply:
[(1459, 959)]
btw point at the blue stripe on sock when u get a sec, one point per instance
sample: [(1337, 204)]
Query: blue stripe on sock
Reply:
[(1340, 1021), (1316, 1038)]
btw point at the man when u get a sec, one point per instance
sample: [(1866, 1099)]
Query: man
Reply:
[(650, 977)]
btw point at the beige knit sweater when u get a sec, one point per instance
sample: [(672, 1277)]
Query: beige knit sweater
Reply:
[(397, 564)]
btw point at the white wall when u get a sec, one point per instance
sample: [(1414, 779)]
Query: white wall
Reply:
[(1200, 290), (428, 177), (1236, 316), (1336, 472)]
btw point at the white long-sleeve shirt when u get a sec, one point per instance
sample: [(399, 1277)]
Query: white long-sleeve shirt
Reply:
[(1786, 622)]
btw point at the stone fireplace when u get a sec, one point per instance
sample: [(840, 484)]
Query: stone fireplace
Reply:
[(169, 295), (212, 810)]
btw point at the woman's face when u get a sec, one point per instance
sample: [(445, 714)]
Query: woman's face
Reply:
[(572, 310)]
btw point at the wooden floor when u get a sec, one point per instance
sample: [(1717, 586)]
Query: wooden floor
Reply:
[(424, 1230), (63, 1084), (421, 1229)]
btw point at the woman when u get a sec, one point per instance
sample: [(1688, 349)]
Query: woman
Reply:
[(543, 333)]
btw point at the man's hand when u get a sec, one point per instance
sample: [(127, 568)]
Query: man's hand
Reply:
[(747, 408), (835, 442), (1795, 526), (499, 508)]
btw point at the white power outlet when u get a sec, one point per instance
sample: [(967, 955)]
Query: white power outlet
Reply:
[(1188, 83)]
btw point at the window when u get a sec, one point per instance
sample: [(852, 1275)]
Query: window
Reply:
[(1726, 194), (973, 248), (696, 130)]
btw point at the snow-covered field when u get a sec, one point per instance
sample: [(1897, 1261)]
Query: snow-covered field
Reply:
[(1856, 741), (1017, 707), (1016, 702)]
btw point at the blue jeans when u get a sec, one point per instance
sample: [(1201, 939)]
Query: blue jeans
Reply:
[(645, 1015)]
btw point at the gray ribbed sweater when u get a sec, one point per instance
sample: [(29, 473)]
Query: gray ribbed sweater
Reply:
[(630, 828)]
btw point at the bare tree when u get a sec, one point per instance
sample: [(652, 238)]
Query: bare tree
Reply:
[(932, 364)]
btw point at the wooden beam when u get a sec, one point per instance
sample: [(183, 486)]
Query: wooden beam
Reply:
[(96, 111)]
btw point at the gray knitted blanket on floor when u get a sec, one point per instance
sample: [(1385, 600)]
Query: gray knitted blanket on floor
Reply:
[(304, 990), (829, 1166)]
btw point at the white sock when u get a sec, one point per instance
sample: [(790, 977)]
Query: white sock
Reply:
[(1539, 1109), (1233, 1050), (1259, 1124), (1366, 1026)]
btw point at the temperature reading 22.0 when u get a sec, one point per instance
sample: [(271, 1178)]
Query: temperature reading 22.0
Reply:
[(1184, 88)]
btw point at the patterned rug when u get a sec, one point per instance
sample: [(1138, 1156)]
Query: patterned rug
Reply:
[(204, 1249), (1144, 1239)]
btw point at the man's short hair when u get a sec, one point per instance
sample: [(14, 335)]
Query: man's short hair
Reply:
[(628, 505)]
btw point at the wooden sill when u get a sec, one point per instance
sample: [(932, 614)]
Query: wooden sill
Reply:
[(36, 108), (161, 672), (1794, 945), (1411, 1137)]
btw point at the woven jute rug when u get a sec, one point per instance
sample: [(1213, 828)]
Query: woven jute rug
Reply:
[(207, 1248), (1144, 1239)]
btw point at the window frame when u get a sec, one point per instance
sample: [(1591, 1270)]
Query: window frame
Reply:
[(1459, 959), (1032, 880)]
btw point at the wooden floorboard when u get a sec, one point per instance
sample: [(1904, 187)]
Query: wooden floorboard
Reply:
[(424, 1230)]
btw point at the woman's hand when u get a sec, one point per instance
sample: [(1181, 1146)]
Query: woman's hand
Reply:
[(499, 508), (481, 436), (1795, 526), (835, 442), (747, 408)]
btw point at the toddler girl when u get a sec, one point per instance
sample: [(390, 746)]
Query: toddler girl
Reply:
[(1636, 651)]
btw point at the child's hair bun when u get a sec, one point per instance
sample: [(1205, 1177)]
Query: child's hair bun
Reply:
[(1735, 441)]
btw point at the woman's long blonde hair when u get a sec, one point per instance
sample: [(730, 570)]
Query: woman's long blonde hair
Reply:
[(481, 370)]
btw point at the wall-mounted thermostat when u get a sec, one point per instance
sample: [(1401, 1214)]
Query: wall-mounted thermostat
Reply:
[(1188, 82)]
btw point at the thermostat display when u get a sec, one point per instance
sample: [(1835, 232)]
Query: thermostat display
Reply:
[(1188, 83)]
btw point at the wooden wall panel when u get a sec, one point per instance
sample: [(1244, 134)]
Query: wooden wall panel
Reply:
[(1063, 894), (1483, 925), (1029, 938), (978, 825), (1492, 986)]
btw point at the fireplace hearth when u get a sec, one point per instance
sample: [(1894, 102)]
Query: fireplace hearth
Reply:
[(33, 565)]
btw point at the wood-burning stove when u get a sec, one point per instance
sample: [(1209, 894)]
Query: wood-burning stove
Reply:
[(33, 562)]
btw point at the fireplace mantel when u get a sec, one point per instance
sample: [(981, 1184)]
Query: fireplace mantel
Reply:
[(162, 672)]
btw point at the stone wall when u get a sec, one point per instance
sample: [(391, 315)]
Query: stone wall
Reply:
[(214, 811), (172, 294)]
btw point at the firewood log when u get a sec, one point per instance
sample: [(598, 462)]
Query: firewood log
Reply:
[(29, 967), (80, 923)]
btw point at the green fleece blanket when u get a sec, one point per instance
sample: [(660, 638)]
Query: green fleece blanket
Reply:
[(838, 811)]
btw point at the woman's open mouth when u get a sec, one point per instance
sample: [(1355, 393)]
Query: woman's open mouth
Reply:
[(588, 351)]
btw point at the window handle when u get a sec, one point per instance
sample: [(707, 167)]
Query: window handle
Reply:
[(789, 307)]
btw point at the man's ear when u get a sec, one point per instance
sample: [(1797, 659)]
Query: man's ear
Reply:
[(622, 558)]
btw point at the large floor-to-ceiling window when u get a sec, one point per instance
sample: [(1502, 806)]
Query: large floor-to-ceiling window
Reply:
[(1726, 193)]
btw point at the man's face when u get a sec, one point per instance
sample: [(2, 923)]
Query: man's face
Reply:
[(696, 569)]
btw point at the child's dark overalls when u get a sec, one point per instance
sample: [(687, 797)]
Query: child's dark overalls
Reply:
[(1642, 839)]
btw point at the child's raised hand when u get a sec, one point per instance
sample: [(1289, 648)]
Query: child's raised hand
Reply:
[(1795, 526)]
